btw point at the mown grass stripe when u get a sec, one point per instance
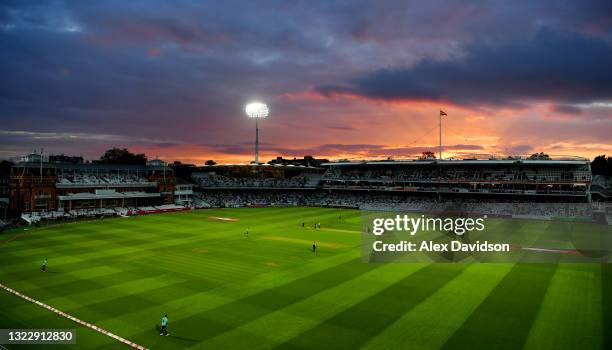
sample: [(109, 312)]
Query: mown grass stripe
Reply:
[(228, 316), (297, 318), (606, 304), (429, 324), (133, 302), (353, 327), (570, 314), (503, 320)]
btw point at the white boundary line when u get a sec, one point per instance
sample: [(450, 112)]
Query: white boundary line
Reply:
[(72, 318), (552, 250)]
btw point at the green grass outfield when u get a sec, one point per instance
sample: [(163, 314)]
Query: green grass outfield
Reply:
[(268, 291)]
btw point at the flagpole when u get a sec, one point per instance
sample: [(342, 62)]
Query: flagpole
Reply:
[(440, 135)]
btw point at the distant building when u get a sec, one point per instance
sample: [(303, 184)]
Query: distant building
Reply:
[(60, 158), (156, 162), (306, 161), (34, 158)]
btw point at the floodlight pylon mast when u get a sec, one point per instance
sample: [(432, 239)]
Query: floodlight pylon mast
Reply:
[(256, 140), (257, 110)]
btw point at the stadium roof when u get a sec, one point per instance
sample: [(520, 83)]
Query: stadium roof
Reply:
[(259, 165), (83, 166), (507, 161)]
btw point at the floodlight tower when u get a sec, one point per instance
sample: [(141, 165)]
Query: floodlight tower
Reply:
[(257, 110)]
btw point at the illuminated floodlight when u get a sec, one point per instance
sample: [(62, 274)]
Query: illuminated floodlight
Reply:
[(257, 110)]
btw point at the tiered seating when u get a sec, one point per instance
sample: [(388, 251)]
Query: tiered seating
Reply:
[(456, 174), (207, 180), (100, 179)]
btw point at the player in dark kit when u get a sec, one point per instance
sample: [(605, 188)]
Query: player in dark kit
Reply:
[(164, 325), (314, 248), (43, 267)]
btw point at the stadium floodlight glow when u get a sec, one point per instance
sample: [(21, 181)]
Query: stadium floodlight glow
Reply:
[(257, 110)]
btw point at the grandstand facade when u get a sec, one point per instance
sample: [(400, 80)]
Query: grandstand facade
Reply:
[(39, 186), (539, 186), (512, 176)]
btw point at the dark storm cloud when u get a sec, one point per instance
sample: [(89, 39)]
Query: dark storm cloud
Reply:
[(160, 71), (142, 68), (567, 109), (555, 66)]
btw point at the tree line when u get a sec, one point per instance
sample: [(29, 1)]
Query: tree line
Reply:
[(602, 165)]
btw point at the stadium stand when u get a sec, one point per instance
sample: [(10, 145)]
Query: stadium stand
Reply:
[(549, 177), (537, 187), (219, 181), (602, 187), (43, 190), (540, 187)]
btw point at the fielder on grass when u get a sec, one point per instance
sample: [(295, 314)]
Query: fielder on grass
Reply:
[(164, 325)]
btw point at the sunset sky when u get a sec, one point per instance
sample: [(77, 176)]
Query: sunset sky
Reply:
[(342, 79)]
